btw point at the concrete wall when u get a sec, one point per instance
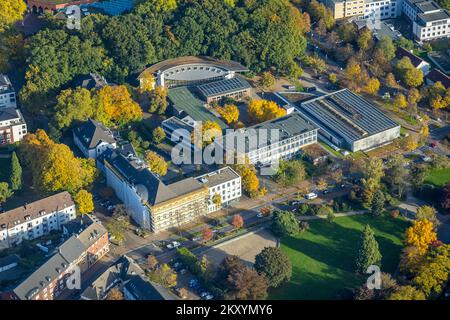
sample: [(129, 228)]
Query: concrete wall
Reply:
[(376, 139)]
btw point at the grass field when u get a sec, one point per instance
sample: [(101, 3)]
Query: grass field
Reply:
[(438, 177), (323, 257)]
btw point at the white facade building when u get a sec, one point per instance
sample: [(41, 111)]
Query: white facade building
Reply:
[(12, 126), (36, 219), (429, 20), (226, 183), (7, 94), (93, 138), (382, 9)]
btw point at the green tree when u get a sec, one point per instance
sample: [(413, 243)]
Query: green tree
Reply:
[(15, 178), (377, 205), (274, 264), (290, 172), (5, 192), (368, 251), (284, 223), (73, 105)]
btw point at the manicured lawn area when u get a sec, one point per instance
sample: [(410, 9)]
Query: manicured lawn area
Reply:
[(438, 177), (323, 257)]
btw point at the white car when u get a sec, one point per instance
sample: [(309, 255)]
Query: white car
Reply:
[(259, 215), (311, 196)]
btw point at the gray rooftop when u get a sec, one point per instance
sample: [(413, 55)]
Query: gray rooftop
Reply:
[(9, 114), (91, 133), (218, 177), (287, 127), (433, 16), (346, 114), (223, 87), (149, 187)]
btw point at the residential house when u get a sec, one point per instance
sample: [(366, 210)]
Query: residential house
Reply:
[(12, 126), (416, 61), (7, 93), (93, 138)]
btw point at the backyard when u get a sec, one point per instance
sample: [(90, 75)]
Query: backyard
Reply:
[(323, 257)]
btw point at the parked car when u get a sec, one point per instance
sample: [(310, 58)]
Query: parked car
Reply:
[(193, 283), (259, 215), (326, 191), (311, 195)]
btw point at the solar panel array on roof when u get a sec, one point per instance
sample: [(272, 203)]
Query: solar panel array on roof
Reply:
[(347, 114), (223, 87)]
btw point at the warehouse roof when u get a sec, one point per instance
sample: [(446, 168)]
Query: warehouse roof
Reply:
[(222, 87), (218, 177), (346, 114)]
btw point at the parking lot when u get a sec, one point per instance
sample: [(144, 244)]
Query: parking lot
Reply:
[(245, 247)]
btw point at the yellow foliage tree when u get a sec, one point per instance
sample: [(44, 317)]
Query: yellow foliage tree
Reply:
[(420, 235), (147, 81), (115, 107), (206, 133), (400, 101), (54, 166), (411, 143), (263, 110), (250, 182), (230, 113), (11, 11), (84, 202), (156, 163), (372, 86), (322, 184)]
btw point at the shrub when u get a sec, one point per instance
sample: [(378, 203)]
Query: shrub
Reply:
[(395, 214)]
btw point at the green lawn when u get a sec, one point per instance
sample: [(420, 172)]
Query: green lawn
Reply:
[(438, 177), (323, 257)]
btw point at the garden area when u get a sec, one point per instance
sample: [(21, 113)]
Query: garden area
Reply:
[(323, 258), (438, 177)]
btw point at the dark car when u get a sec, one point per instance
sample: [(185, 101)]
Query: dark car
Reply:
[(326, 191)]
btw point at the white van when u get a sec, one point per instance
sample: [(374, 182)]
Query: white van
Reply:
[(311, 196)]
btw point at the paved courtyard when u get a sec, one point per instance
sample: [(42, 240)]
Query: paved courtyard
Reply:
[(245, 247)]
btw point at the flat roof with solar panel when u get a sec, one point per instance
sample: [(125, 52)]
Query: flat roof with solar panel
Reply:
[(347, 117), (223, 87)]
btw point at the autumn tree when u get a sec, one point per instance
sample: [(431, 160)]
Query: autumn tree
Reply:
[(400, 101), (371, 182), (428, 213), (420, 235), (73, 105), (267, 80), (390, 80), (372, 86), (316, 63), (240, 282), (250, 181), (290, 172), (396, 174), (364, 39), (11, 11), (84, 202), (264, 110), (115, 107), (411, 142), (158, 135), (230, 113), (54, 166), (274, 264), (206, 133), (353, 69), (217, 200), (147, 81), (158, 100), (237, 221), (368, 252), (407, 293), (207, 234), (322, 184), (164, 275), (406, 71), (337, 175), (114, 294), (15, 177), (156, 163), (152, 262)]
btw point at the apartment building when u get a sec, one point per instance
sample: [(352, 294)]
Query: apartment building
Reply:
[(7, 93), (224, 182), (267, 142), (382, 9), (78, 253), (36, 219), (12, 126), (346, 8)]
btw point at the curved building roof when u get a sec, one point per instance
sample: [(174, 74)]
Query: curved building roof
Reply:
[(194, 67)]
